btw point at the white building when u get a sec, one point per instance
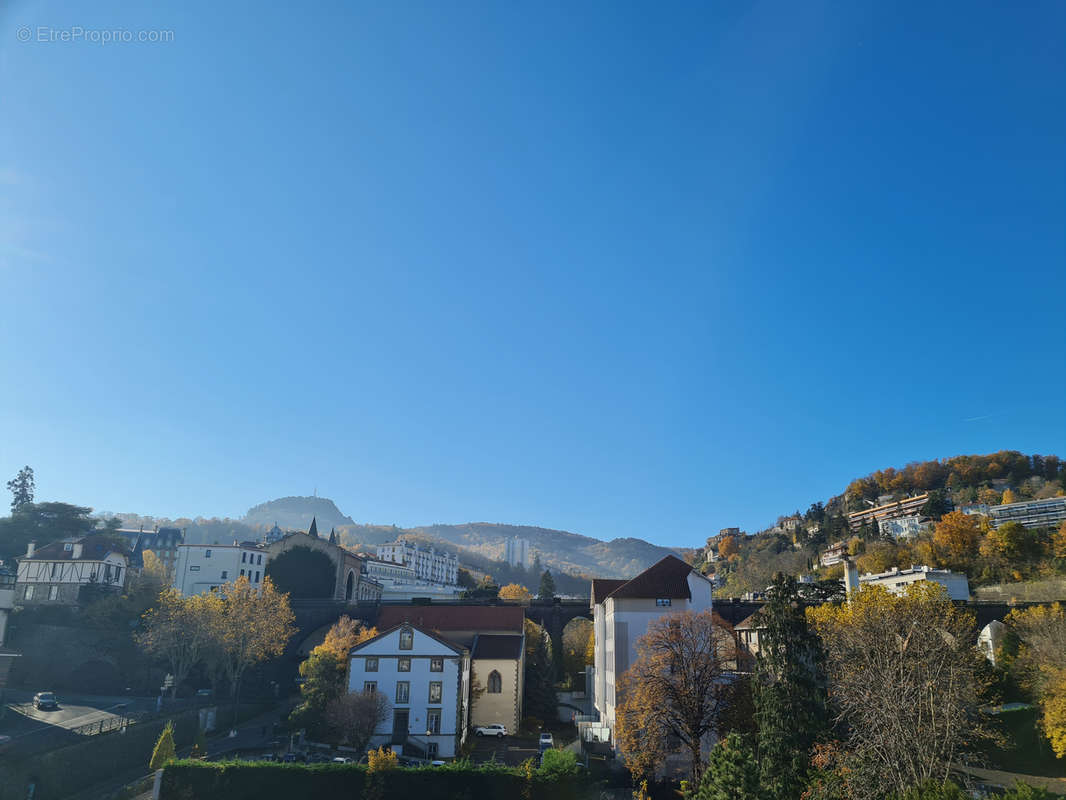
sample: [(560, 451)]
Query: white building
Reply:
[(990, 638), (204, 567), (7, 601), (56, 573), (897, 580), (517, 553), (1047, 513), (400, 582), (903, 527), (429, 564), (426, 680), (834, 554), (621, 613)]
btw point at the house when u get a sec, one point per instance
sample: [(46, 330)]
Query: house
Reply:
[(495, 638), (897, 580), (204, 567), (426, 680), (834, 554), (350, 580), (621, 612), (748, 631), (163, 542), (904, 527), (57, 573)]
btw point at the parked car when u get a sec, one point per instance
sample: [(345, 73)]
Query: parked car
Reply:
[(547, 741), (437, 763), (491, 730), (45, 701), (204, 692), (341, 760)]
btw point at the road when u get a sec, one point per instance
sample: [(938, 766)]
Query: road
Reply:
[(22, 721)]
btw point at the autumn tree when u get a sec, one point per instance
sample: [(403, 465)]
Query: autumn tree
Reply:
[(180, 631), (164, 750), (677, 688), (956, 537), (789, 691), (345, 634), (1041, 663), (539, 695), (904, 679), (1009, 497), (576, 636), (356, 715), (1058, 542), (254, 624), (515, 591), (727, 547)]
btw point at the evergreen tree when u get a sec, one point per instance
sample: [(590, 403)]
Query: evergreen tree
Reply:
[(732, 772), (21, 487), (164, 748), (547, 585), (790, 694)]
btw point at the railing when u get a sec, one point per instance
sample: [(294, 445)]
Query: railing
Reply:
[(106, 725)]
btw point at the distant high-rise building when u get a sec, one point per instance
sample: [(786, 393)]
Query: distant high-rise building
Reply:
[(517, 554)]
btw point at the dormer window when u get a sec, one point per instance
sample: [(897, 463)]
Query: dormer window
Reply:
[(662, 601), (407, 639), (68, 545)]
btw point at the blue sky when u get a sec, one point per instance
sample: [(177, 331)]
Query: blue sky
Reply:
[(627, 269)]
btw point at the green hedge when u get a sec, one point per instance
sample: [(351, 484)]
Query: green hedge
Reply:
[(197, 780)]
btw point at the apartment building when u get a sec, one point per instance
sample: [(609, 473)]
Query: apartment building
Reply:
[(428, 563), (56, 573), (1048, 513), (906, 507), (904, 527), (897, 580), (517, 552), (203, 568)]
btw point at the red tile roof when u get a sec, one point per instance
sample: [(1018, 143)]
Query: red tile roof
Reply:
[(455, 618), (667, 578)]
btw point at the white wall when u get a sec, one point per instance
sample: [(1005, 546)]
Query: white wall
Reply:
[(195, 572)]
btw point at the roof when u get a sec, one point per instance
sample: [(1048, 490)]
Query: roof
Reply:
[(667, 578), (458, 648), (489, 646), (601, 587), (455, 618), (754, 622), (94, 548)]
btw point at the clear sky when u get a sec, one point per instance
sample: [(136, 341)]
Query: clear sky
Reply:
[(626, 269)]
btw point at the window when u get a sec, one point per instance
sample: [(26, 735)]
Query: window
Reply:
[(435, 691), (242, 573), (207, 553), (225, 574), (436, 665), (431, 747), (259, 561), (407, 639), (369, 687), (68, 546), (403, 665), (495, 683), (433, 721), (371, 665), (53, 592), (244, 559), (29, 593), (194, 568), (257, 576), (107, 573), (662, 601), (54, 565), (403, 691)]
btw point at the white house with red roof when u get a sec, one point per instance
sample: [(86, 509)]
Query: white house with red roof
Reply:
[(56, 573), (621, 612)]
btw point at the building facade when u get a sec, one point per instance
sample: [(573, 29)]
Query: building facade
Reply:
[(203, 568), (517, 553), (426, 680), (429, 564), (904, 527), (400, 582), (8, 577), (351, 581), (897, 580), (834, 554), (55, 574), (621, 613), (907, 507), (1048, 513), (163, 542)]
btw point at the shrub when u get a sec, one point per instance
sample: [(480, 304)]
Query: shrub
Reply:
[(381, 760), (557, 763), (164, 748)]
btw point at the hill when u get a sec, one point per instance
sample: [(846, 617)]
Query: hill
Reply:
[(296, 513)]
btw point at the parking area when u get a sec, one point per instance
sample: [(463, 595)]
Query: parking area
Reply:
[(510, 750)]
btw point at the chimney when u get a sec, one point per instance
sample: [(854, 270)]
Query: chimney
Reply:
[(76, 552), (851, 577), (30, 549)]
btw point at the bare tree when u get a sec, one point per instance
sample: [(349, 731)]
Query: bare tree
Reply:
[(904, 678), (673, 695), (356, 716)]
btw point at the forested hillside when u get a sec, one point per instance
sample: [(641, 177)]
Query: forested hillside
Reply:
[(954, 540)]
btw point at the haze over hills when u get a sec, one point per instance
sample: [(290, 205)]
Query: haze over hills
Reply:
[(559, 550)]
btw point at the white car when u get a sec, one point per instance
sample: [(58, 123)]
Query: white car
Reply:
[(491, 730), (547, 741)]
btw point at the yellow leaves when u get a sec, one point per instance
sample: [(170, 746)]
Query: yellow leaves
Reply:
[(957, 535), (381, 760), (1053, 718), (515, 591), (345, 634), (728, 547), (1009, 497), (1058, 542)]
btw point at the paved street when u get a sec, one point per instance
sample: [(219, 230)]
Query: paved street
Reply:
[(510, 750), (22, 721)]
